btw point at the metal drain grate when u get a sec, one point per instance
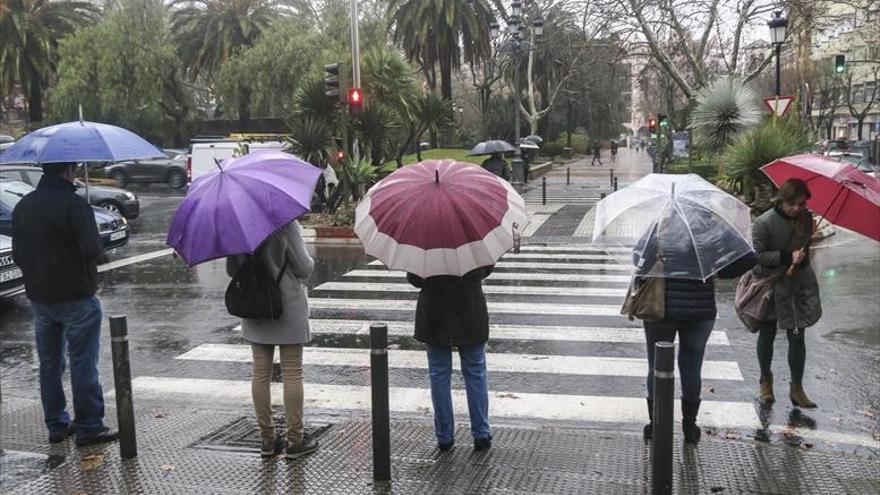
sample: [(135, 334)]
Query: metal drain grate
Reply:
[(243, 435), (563, 223)]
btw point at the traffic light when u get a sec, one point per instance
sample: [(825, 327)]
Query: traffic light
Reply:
[(333, 83), (839, 64), (355, 101), (664, 122), (340, 155), (652, 125)]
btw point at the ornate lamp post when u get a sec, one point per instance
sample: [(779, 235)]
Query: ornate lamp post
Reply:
[(778, 26)]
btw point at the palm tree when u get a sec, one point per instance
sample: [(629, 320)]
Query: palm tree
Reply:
[(29, 35), (441, 33), (210, 32)]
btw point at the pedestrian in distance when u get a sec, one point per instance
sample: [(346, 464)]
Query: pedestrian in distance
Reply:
[(56, 244), (497, 165), (689, 311), (285, 257), (781, 237), (613, 151), (452, 312), (597, 154)]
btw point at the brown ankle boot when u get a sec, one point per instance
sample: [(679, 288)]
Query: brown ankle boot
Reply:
[(767, 389), (799, 397)]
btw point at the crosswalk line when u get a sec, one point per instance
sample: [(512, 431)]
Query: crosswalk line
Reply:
[(520, 276), (557, 256), (497, 362), (620, 335), (494, 307), (574, 248), (601, 267), (502, 404), (524, 290)]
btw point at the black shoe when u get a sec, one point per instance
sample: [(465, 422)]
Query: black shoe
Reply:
[(481, 444), (106, 435), (62, 434), (445, 446), (272, 447), (303, 448)]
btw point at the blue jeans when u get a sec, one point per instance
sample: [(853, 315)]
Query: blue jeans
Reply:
[(692, 338), (473, 368), (77, 326)]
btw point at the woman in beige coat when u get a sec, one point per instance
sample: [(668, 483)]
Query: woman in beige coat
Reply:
[(288, 333)]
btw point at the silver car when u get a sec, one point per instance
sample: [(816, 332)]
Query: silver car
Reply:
[(11, 279)]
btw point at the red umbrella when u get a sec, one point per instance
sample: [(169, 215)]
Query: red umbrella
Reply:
[(841, 193)]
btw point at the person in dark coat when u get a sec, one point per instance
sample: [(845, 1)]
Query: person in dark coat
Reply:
[(597, 154), (689, 311), (781, 237), (497, 165), (451, 312), (56, 243)]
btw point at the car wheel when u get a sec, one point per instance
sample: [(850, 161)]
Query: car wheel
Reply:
[(111, 206), (120, 177), (176, 179)]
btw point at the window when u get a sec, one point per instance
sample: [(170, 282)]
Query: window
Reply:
[(858, 93), (33, 177), (11, 192)]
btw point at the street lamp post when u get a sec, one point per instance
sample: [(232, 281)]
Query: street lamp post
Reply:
[(777, 25)]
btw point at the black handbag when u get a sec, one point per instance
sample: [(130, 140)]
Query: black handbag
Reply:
[(253, 293)]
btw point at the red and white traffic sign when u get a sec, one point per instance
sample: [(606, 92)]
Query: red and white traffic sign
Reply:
[(780, 105)]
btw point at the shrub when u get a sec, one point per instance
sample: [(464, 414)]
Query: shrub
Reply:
[(552, 150), (723, 109)]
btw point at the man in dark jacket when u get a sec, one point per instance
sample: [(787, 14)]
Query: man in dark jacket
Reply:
[(498, 166), (55, 241)]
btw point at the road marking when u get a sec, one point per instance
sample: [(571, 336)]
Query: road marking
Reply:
[(134, 260), (620, 335), (525, 290), (597, 267), (557, 256), (494, 307), (536, 220), (543, 277), (497, 362), (418, 400), (574, 248)]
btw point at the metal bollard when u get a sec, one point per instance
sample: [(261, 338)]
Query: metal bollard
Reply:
[(567, 176), (122, 382), (615, 183), (543, 190), (611, 177), (379, 389), (664, 407)]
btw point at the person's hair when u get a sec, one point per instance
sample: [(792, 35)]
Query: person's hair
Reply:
[(57, 169), (791, 190)]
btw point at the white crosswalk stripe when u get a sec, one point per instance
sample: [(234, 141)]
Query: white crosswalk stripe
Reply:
[(589, 342)]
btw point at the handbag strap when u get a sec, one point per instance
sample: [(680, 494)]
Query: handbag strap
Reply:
[(281, 273)]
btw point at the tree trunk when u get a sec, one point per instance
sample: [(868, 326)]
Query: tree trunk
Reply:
[(446, 76), (35, 96), (244, 108), (861, 121)]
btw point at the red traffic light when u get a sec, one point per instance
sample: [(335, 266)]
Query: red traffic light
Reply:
[(652, 123), (355, 101), (340, 155)]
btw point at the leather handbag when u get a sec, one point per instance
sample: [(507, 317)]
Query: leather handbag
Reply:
[(754, 295), (645, 299)]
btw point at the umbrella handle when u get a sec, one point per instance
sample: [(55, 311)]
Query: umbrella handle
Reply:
[(791, 270)]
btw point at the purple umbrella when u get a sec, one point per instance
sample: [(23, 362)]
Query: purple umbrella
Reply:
[(235, 208)]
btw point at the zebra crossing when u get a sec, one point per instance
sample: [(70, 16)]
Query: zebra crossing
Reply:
[(558, 349)]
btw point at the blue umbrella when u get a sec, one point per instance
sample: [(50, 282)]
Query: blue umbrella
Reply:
[(79, 141)]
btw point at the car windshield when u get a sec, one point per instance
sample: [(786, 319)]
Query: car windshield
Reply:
[(12, 191)]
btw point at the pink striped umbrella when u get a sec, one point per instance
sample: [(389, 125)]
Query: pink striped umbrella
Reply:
[(841, 193), (440, 218)]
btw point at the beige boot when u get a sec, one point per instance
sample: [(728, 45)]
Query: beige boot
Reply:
[(767, 389), (799, 397)]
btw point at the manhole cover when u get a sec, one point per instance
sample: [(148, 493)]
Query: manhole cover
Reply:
[(243, 435)]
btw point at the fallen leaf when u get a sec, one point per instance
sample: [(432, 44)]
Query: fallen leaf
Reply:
[(837, 419), (167, 468), (807, 445), (161, 415), (424, 409), (867, 412), (732, 435), (91, 462), (789, 431), (507, 395), (710, 390), (536, 358)]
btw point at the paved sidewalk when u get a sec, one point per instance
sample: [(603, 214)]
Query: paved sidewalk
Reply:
[(205, 450)]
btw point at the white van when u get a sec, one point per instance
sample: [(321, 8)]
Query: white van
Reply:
[(204, 156)]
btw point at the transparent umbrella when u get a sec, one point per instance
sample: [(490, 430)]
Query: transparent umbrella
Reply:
[(678, 226)]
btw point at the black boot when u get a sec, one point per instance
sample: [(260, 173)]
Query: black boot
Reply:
[(689, 411), (648, 432)]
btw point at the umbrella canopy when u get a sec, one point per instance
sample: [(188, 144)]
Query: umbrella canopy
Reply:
[(534, 138), (79, 141), (841, 193), (528, 145), (489, 147), (235, 208), (690, 225), (440, 218)]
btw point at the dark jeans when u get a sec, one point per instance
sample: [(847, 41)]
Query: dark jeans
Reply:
[(692, 336), (797, 351), (74, 327), (473, 368)]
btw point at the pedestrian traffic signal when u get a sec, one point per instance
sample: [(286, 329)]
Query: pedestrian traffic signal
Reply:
[(333, 83), (839, 64), (664, 122), (340, 155), (355, 101), (652, 125)]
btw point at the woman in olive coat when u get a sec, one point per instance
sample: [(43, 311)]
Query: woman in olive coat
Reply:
[(781, 237)]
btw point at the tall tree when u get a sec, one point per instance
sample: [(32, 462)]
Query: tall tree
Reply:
[(441, 34), (29, 34), (210, 32)]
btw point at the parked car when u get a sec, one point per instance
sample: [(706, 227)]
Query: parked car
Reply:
[(126, 203), (834, 145), (170, 170), (112, 226), (6, 142), (11, 278), (855, 159), (204, 156)]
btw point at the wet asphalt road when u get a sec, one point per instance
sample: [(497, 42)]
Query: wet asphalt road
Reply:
[(173, 309)]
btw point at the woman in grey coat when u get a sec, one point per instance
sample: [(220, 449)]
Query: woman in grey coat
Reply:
[(289, 333), (781, 237)]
